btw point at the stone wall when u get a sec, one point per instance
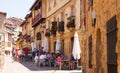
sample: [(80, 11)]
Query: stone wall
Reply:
[(105, 10), (2, 20), (64, 6)]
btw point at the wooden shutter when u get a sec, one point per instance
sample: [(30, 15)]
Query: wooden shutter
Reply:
[(111, 45)]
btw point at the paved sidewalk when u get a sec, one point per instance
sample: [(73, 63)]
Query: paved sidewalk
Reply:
[(25, 67)]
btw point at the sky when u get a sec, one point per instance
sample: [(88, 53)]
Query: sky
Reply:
[(16, 8)]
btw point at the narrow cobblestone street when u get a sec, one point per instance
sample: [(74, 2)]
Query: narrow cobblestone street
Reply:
[(29, 67)]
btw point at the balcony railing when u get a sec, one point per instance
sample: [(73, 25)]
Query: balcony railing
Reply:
[(36, 18)]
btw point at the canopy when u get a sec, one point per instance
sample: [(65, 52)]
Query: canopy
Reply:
[(76, 47)]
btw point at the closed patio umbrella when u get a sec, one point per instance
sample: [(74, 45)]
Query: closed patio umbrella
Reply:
[(58, 46), (76, 48), (45, 45)]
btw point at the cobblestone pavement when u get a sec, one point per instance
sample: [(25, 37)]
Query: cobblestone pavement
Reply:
[(29, 67)]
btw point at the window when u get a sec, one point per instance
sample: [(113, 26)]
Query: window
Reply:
[(38, 36), (90, 51), (9, 37)]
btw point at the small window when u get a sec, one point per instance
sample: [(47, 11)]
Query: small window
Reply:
[(90, 51), (38, 36)]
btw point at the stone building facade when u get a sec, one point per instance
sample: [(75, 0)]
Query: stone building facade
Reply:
[(59, 14), (97, 23), (2, 38), (47, 17), (12, 29), (100, 38), (38, 16), (46, 14)]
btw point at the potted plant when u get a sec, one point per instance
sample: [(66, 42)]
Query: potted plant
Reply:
[(71, 24)]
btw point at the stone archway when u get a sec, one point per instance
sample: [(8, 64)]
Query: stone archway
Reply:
[(98, 51)]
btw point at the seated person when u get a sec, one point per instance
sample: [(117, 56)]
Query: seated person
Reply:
[(36, 59), (53, 59), (72, 58), (72, 62), (42, 58)]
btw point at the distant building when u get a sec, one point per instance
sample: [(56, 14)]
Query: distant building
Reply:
[(12, 30), (2, 39)]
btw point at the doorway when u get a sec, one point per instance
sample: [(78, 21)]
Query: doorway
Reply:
[(111, 45)]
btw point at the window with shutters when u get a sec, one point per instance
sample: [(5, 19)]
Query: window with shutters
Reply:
[(111, 45)]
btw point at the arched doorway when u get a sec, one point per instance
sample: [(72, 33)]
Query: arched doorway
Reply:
[(98, 51)]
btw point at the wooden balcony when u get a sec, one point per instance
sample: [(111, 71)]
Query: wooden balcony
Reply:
[(36, 19)]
